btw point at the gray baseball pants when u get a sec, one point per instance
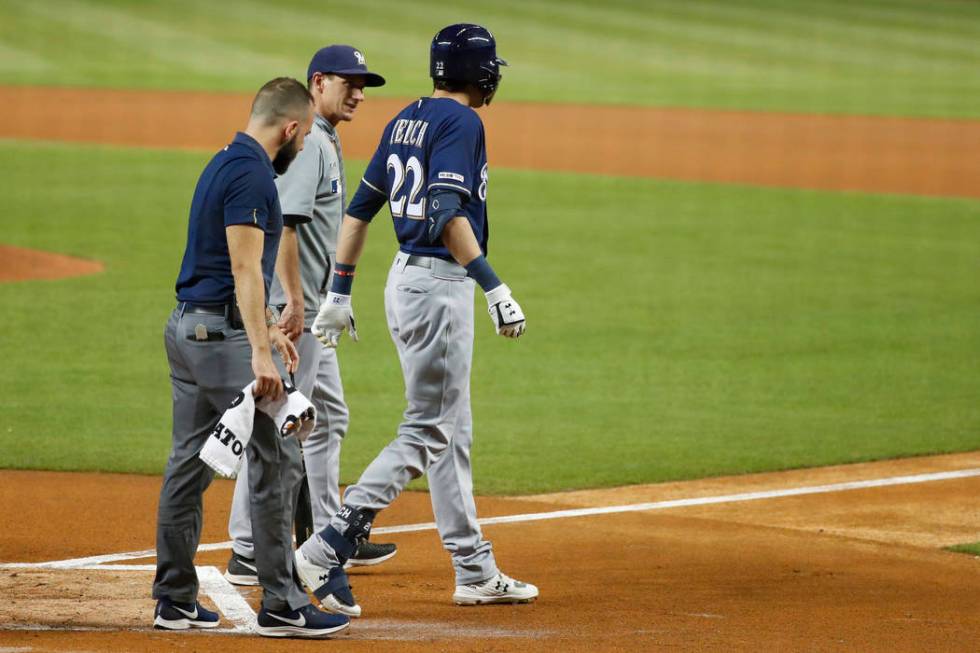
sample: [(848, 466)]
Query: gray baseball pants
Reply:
[(430, 317), (318, 379), (205, 377)]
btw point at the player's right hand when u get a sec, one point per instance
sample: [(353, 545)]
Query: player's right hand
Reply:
[(508, 318), (285, 347), (291, 321), (335, 316), (268, 383)]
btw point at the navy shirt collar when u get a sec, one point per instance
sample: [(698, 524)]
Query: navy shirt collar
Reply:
[(241, 138)]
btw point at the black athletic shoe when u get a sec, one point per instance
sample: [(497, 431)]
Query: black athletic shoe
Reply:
[(368, 553), (170, 615), (241, 570), (305, 622)]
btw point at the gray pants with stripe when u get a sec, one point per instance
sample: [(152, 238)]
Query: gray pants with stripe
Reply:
[(318, 378), (206, 376), (430, 317)]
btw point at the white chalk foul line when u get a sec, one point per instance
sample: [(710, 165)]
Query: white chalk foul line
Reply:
[(106, 629), (213, 584), (565, 514), (226, 598)]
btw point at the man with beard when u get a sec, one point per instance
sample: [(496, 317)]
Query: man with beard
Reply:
[(218, 339), (313, 196)]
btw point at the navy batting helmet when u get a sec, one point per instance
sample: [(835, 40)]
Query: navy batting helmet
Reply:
[(466, 53)]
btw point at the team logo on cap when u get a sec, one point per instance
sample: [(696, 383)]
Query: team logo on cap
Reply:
[(359, 57)]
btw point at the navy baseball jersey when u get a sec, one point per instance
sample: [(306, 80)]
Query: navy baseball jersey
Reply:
[(433, 143), (236, 187)]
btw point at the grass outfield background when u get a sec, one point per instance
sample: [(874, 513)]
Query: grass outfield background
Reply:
[(900, 57), (721, 329), (676, 329)]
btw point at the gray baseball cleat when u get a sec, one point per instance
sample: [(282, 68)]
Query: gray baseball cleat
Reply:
[(241, 570), (368, 553), (498, 589)]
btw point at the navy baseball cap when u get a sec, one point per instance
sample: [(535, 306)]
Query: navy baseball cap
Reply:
[(343, 60)]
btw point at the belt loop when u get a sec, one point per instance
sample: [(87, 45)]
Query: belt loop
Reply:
[(181, 308), (401, 260)]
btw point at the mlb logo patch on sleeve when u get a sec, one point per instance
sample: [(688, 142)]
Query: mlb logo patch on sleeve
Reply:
[(453, 176)]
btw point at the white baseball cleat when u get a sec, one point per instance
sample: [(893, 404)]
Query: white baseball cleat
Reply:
[(329, 586), (499, 589)]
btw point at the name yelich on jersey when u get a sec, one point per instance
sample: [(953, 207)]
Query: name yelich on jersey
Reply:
[(409, 132)]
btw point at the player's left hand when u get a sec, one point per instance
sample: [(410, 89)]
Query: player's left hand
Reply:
[(336, 315), (508, 318)]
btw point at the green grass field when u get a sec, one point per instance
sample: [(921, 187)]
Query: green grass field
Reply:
[(971, 549), (677, 330), (685, 330), (898, 57)]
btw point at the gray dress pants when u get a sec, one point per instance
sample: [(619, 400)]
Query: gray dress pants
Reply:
[(205, 377), (430, 317)]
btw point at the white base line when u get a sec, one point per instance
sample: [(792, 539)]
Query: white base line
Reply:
[(104, 629), (77, 563), (226, 598)]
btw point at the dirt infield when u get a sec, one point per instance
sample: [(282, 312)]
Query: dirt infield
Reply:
[(19, 264), (702, 566), (890, 155), (861, 153), (850, 570)]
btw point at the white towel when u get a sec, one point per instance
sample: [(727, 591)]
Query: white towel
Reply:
[(225, 449), (293, 413)]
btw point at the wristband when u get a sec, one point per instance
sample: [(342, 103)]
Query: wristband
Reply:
[(343, 279), (481, 272)]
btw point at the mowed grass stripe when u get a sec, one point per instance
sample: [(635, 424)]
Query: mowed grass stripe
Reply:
[(160, 43), (787, 38), (810, 56), (954, 16), (676, 330), (845, 32)]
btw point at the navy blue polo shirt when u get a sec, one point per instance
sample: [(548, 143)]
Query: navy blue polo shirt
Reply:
[(236, 187)]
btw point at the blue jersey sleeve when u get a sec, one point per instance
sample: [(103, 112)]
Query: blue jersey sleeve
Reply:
[(376, 173), (367, 201), (247, 197), (455, 154), (372, 191)]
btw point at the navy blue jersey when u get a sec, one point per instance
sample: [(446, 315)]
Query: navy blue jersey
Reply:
[(236, 187), (432, 144)]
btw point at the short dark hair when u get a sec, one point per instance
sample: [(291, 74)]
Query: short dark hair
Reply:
[(282, 97), (450, 85)]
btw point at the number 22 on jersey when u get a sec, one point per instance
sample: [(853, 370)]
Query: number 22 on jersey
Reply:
[(405, 202)]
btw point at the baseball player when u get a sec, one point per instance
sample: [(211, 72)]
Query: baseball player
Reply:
[(218, 339), (431, 169), (311, 194)]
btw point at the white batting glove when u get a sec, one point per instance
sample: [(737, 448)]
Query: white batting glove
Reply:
[(336, 314), (508, 318)]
